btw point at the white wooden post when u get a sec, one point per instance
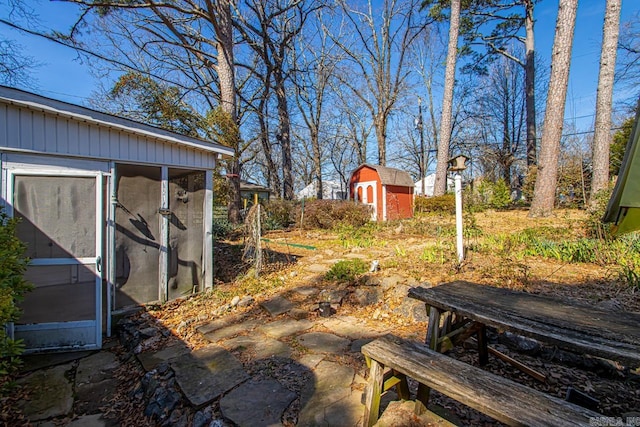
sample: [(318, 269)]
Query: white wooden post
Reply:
[(459, 242)]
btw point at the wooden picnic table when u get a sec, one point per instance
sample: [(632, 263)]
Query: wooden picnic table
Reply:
[(613, 335)]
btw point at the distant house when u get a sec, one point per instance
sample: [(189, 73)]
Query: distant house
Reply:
[(388, 191), (252, 193), (114, 213), (429, 182), (331, 190)]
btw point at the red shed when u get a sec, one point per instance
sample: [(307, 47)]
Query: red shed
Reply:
[(388, 191)]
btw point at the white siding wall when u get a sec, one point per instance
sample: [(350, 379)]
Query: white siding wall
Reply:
[(34, 131)]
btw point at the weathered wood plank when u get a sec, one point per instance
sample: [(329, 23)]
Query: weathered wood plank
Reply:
[(570, 326), (500, 398), (374, 389)]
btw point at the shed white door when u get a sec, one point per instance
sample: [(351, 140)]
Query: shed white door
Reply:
[(368, 195), (61, 221)]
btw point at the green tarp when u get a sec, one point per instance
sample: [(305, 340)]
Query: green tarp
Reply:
[(623, 209)]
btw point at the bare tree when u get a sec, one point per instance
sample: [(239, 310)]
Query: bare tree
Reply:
[(500, 113), (604, 99), (270, 29), (547, 176), (189, 46), (382, 39), (315, 67), (440, 186), (629, 62), (505, 21)]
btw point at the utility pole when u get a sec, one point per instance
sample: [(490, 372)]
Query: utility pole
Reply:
[(423, 158)]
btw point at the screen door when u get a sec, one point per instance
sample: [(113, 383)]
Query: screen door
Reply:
[(61, 222)]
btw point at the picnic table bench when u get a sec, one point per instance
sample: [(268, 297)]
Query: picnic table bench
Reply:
[(498, 397), (460, 309)]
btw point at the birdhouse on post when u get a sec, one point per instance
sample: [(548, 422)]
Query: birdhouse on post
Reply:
[(458, 163)]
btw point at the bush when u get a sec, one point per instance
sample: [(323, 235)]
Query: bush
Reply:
[(279, 214), (500, 195), (327, 214), (13, 286), (347, 270), (437, 204)]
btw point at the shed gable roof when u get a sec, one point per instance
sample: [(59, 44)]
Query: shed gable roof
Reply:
[(391, 176), (32, 101)]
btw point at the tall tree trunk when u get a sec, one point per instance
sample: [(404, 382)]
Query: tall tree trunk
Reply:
[(273, 179), (317, 160), (226, 79), (547, 177), (530, 86), (602, 134), (440, 186), (381, 136), (284, 133)]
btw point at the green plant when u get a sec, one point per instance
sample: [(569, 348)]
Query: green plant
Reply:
[(629, 274), (13, 286), (221, 228), (279, 214), (347, 270), (437, 204), (438, 253), (500, 195), (357, 237), (593, 225)]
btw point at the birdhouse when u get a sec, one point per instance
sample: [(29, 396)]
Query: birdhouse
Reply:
[(457, 164)]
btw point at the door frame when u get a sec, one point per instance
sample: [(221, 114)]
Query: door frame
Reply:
[(365, 200), (89, 332)]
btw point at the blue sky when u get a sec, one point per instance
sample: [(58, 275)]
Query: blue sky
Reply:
[(63, 75)]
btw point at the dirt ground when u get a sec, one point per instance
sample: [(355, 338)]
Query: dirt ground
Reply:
[(399, 249), (406, 249)]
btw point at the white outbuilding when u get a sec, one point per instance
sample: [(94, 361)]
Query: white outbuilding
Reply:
[(114, 213), (331, 190), (429, 182)]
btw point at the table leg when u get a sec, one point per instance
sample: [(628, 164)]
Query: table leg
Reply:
[(483, 350), (374, 390), (433, 330), (433, 333)]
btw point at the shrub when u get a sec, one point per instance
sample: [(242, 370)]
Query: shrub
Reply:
[(437, 204), (279, 214), (347, 270), (500, 195), (13, 286), (327, 214)]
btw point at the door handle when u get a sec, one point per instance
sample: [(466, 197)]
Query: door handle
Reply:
[(99, 264)]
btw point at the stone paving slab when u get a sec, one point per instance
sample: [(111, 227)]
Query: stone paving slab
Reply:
[(277, 305), (317, 268), (92, 396), (331, 401), (231, 330), (205, 374), (285, 327), (260, 346), (219, 323), (94, 420), (52, 393), (351, 327), (257, 403), (151, 359), (322, 342), (307, 291), (96, 367)]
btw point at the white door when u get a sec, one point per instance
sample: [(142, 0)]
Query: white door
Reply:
[(369, 196), (61, 211)]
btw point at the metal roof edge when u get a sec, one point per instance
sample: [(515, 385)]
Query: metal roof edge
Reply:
[(33, 101)]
